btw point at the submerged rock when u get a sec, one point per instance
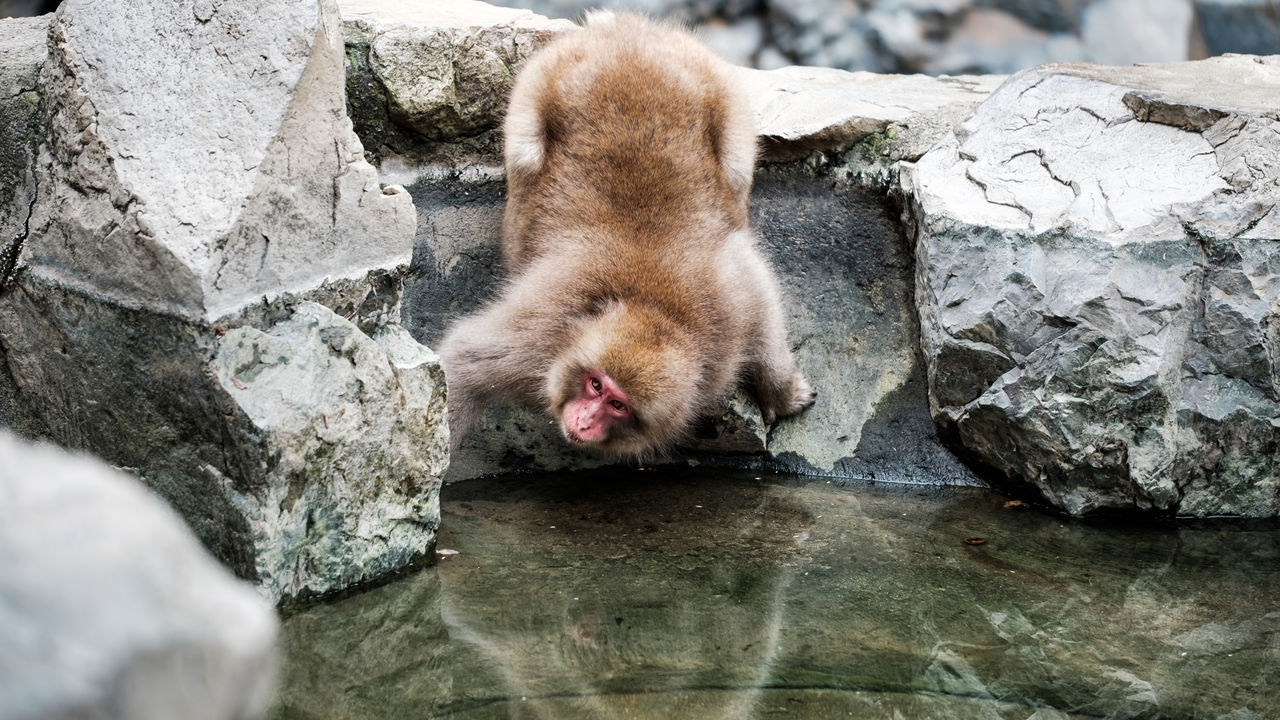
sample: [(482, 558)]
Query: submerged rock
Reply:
[(109, 607), (1098, 278)]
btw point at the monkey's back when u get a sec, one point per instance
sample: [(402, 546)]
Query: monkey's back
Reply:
[(625, 137)]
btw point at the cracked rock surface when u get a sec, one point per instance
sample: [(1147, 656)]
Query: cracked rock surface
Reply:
[(1098, 281)]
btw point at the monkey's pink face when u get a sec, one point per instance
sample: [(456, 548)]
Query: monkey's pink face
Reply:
[(600, 404)]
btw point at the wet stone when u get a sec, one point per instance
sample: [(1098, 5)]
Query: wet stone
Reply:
[(661, 595)]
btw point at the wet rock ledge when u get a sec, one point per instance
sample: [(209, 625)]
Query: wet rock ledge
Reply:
[(1074, 273)]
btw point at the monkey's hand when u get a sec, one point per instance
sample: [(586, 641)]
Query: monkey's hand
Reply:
[(791, 400)]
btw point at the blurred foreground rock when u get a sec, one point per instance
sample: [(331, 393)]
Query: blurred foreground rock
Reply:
[(1098, 276), (110, 608), (209, 289)]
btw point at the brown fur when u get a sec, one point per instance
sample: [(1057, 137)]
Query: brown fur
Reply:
[(629, 158)]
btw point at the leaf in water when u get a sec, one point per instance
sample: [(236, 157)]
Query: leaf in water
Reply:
[(446, 552), (975, 541)]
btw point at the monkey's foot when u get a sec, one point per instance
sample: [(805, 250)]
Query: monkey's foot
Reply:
[(800, 396)]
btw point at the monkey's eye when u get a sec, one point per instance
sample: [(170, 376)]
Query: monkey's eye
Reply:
[(617, 405), (595, 385)]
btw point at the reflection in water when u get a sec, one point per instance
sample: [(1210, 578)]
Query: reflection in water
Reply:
[(652, 595)]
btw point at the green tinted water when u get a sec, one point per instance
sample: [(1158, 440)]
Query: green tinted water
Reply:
[(654, 595)]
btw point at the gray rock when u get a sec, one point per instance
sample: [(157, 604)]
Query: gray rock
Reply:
[(167, 320), (1239, 26), (109, 607), (305, 454), (344, 489), (23, 49), (1098, 276), (241, 179), (440, 71), (801, 109)]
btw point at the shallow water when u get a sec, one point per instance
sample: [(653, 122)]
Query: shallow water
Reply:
[(660, 595)]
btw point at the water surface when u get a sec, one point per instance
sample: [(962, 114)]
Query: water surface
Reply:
[(631, 594)]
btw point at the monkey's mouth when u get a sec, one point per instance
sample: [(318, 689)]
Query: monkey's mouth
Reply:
[(572, 437)]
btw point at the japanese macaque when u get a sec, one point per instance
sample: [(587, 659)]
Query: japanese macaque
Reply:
[(636, 296)]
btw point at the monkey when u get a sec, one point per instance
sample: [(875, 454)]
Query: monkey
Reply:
[(636, 295)]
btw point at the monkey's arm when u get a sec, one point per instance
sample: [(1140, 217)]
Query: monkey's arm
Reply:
[(488, 355), (779, 387)]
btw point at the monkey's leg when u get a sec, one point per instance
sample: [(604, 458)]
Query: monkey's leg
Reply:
[(780, 389)]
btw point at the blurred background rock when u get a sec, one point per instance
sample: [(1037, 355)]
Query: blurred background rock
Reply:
[(959, 36), (940, 36)]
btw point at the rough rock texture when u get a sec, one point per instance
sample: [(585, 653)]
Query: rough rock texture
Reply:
[(420, 75), (241, 179), (109, 607), (344, 489), (1098, 276), (23, 50), (187, 213), (798, 108), (882, 119)]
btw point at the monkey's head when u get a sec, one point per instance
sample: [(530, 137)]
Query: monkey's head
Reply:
[(627, 388)]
